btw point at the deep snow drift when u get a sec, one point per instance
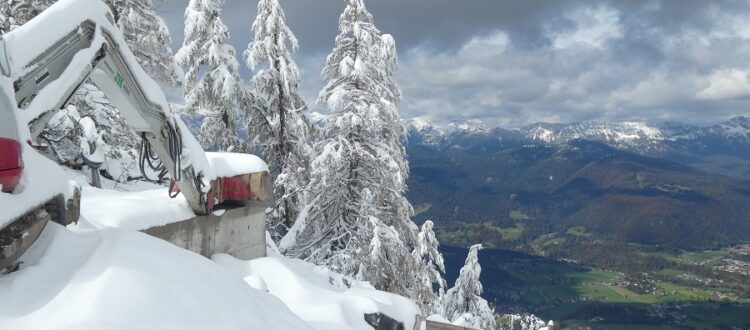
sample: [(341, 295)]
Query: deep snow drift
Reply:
[(103, 208), (141, 205), (324, 299), (119, 279), (92, 278)]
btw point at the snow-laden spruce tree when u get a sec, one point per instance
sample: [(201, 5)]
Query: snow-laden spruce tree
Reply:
[(431, 269), (14, 13), (148, 38), (358, 219), (276, 122), (463, 302), (212, 87), (64, 132)]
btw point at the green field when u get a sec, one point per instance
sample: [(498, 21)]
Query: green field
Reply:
[(421, 208), (576, 296), (578, 231), (511, 233)]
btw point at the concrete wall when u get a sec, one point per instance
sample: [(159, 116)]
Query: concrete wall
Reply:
[(240, 232), (432, 325)]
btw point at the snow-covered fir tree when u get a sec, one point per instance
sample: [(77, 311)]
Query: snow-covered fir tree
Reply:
[(521, 322), (463, 302), (212, 87), (14, 13), (148, 38), (431, 267), (276, 121), (379, 249), (357, 181), (64, 133)]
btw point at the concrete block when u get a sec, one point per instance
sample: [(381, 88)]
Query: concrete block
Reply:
[(239, 232)]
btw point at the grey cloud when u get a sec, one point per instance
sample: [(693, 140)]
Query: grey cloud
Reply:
[(661, 55)]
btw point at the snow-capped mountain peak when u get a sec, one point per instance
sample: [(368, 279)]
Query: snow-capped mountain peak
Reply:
[(469, 126), (608, 132), (737, 127), (423, 130), (634, 136), (418, 124)]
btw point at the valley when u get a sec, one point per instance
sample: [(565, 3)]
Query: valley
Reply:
[(581, 296), (592, 228)]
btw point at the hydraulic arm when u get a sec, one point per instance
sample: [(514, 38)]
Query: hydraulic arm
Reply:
[(95, 50)]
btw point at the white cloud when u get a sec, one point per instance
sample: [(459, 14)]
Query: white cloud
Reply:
[(495, 42), (659, 89), (725, 84), (592, 27)]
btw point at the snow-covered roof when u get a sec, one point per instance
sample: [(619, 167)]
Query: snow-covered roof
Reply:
[(226, 164)]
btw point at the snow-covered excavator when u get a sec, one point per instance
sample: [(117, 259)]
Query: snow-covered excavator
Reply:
[(42, 64)]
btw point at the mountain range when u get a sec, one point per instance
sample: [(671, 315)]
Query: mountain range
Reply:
[(667, 184), (722, 148)]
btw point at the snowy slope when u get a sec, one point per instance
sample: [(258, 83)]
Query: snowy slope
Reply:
[(623, 135), (321, 298), (103, 274), (118, 279), (121, 279)]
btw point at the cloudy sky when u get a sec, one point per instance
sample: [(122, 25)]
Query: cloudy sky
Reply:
[(515, 62)]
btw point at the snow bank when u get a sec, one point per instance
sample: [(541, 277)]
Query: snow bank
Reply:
[(117, 279), (41, 180), (320, 297), (102, 208), (226, 164)]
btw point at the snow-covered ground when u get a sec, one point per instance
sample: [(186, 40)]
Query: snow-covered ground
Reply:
[(102, 273), (324, 299), (142, 205), (139, 210), (123, 279), (135, 205)]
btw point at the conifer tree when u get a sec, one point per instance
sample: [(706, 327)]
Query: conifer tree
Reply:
[(64, 132), (431, 268), (358, 219), (211, 87), (277, 123), (463, 302), (14, 13), (148, 38)]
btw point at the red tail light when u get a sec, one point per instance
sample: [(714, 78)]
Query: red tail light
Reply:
[(253, 186), (11, 164)]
